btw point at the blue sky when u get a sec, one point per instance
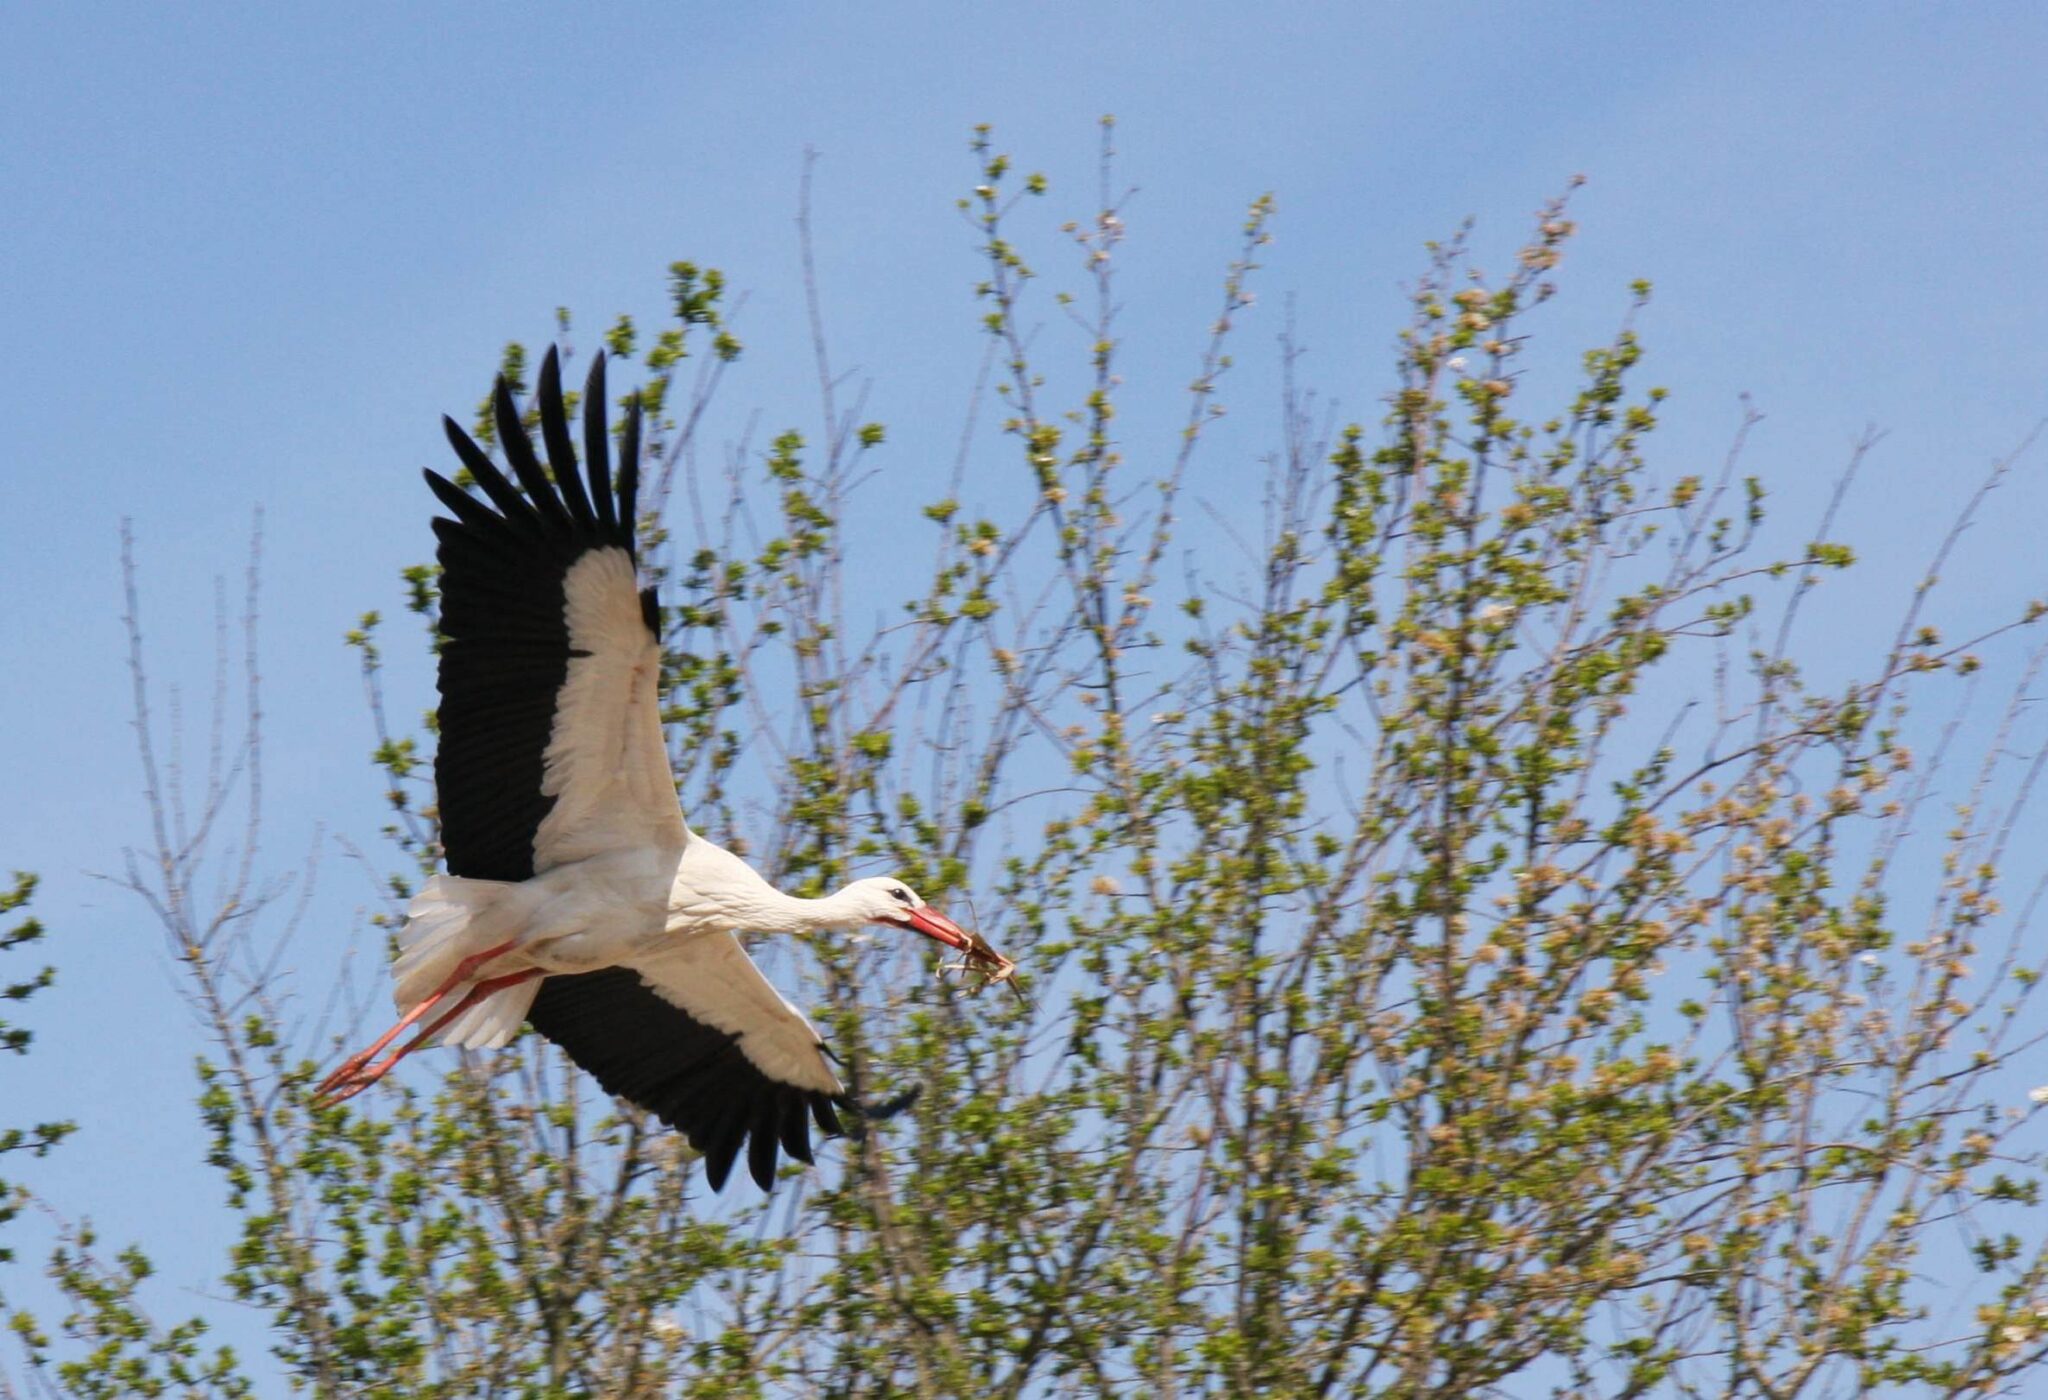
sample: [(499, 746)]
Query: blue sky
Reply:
[(252, 253)]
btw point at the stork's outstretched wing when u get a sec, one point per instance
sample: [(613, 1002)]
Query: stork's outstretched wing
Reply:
[(551, 746), (699, 1038)]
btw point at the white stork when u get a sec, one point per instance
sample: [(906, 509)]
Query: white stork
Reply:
[(576, 897)]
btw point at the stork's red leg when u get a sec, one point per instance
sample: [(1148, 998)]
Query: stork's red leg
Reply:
[(464, 970), (366, 1075)]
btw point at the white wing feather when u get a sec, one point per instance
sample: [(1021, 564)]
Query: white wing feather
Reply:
[(607, 763), (710, 976)]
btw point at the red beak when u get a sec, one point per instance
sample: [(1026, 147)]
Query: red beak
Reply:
[(932, 924)]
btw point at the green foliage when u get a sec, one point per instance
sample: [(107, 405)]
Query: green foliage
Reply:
[(41, 1137), (1425, 996), (119, 1351)]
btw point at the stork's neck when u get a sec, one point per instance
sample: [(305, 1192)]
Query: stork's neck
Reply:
[(716, 889), (840, 910)]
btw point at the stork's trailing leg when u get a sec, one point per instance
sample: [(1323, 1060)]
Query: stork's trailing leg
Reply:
[(364, 1076), (352, 1073)]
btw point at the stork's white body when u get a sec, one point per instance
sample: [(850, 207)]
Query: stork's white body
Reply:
[(671, 917)]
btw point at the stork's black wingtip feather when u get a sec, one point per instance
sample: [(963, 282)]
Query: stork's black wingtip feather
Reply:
[(629, 467), (444, 490), (594, 405), (824, 1117), (878, 1111), (718, 1166), (506, 409), (561, 449), (794, 1128), (889, 1108), (762, 1141), (597, 461), (722, 1139), (549, 386)]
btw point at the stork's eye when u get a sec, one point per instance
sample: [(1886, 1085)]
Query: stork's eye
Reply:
[(901, 895)]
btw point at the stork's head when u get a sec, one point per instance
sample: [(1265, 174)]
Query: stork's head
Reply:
[(887, 900)]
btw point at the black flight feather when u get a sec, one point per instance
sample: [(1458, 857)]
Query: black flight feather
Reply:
[(518, 449), (597, 445), (794, 1129), (554, 429), (761, 1148), (629, 468), (517, 514)]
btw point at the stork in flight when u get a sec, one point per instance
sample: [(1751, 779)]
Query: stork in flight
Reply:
[(576, 897)]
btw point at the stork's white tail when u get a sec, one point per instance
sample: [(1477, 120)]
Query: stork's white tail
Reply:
[(451, 919)]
